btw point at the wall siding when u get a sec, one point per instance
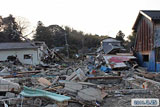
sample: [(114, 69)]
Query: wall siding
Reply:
[(149, 65), (157, 35), (148, 36), (20, 54), (144, 40)]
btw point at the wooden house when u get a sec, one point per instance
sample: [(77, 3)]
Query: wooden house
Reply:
[(147, 44)]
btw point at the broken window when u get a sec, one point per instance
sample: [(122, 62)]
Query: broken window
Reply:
[(28, 56), (145, 58)]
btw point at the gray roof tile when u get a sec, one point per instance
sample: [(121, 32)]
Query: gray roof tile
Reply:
[(18, 45), (153, 14)]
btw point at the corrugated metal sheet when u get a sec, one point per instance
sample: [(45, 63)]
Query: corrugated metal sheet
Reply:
[(115, 61), (30, 92)]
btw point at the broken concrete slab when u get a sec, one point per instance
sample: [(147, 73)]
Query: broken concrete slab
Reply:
[(90, 94), (73, 86)]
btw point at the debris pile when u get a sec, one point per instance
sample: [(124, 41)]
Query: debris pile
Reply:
[(98, 80)]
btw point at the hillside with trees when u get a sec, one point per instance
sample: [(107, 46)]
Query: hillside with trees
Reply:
[(57, 36)]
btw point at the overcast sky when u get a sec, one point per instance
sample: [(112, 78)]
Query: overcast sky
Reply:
[(102, 17)]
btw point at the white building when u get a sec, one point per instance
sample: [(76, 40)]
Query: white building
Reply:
[(27, 53)]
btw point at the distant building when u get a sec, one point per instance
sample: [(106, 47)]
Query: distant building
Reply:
[(110, 46), (147, 44), (27, 53)]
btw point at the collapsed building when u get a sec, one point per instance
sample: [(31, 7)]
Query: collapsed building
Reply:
[(110, 46), (114, 54)]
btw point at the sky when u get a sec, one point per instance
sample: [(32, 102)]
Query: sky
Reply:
[(102, 17)]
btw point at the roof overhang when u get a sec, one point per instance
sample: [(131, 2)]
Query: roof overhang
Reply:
[(12, 49), (141, 13)]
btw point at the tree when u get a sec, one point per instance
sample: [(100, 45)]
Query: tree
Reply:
[(120, 36), (80, 40), (9, 30), (42, 34), (52, 35), (22, 24), (131, 40)]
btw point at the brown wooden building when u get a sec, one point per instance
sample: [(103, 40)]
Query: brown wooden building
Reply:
[(147, 28)]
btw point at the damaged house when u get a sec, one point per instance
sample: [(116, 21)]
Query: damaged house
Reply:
[(26, 53), (115, 55), (147, 44), (110, 46)]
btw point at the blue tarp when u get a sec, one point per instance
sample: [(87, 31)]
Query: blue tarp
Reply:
[(30, 92), (105, 69)]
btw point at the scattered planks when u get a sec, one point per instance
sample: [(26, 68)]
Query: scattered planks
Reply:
[(21, 74), (105, 80)]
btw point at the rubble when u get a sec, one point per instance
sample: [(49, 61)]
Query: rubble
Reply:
[(44, 82), (92, 82), (7, 86)]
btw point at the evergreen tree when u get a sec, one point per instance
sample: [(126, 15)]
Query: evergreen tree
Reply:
[(120, 36)]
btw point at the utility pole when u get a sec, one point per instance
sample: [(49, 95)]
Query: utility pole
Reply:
[(66, 44)]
